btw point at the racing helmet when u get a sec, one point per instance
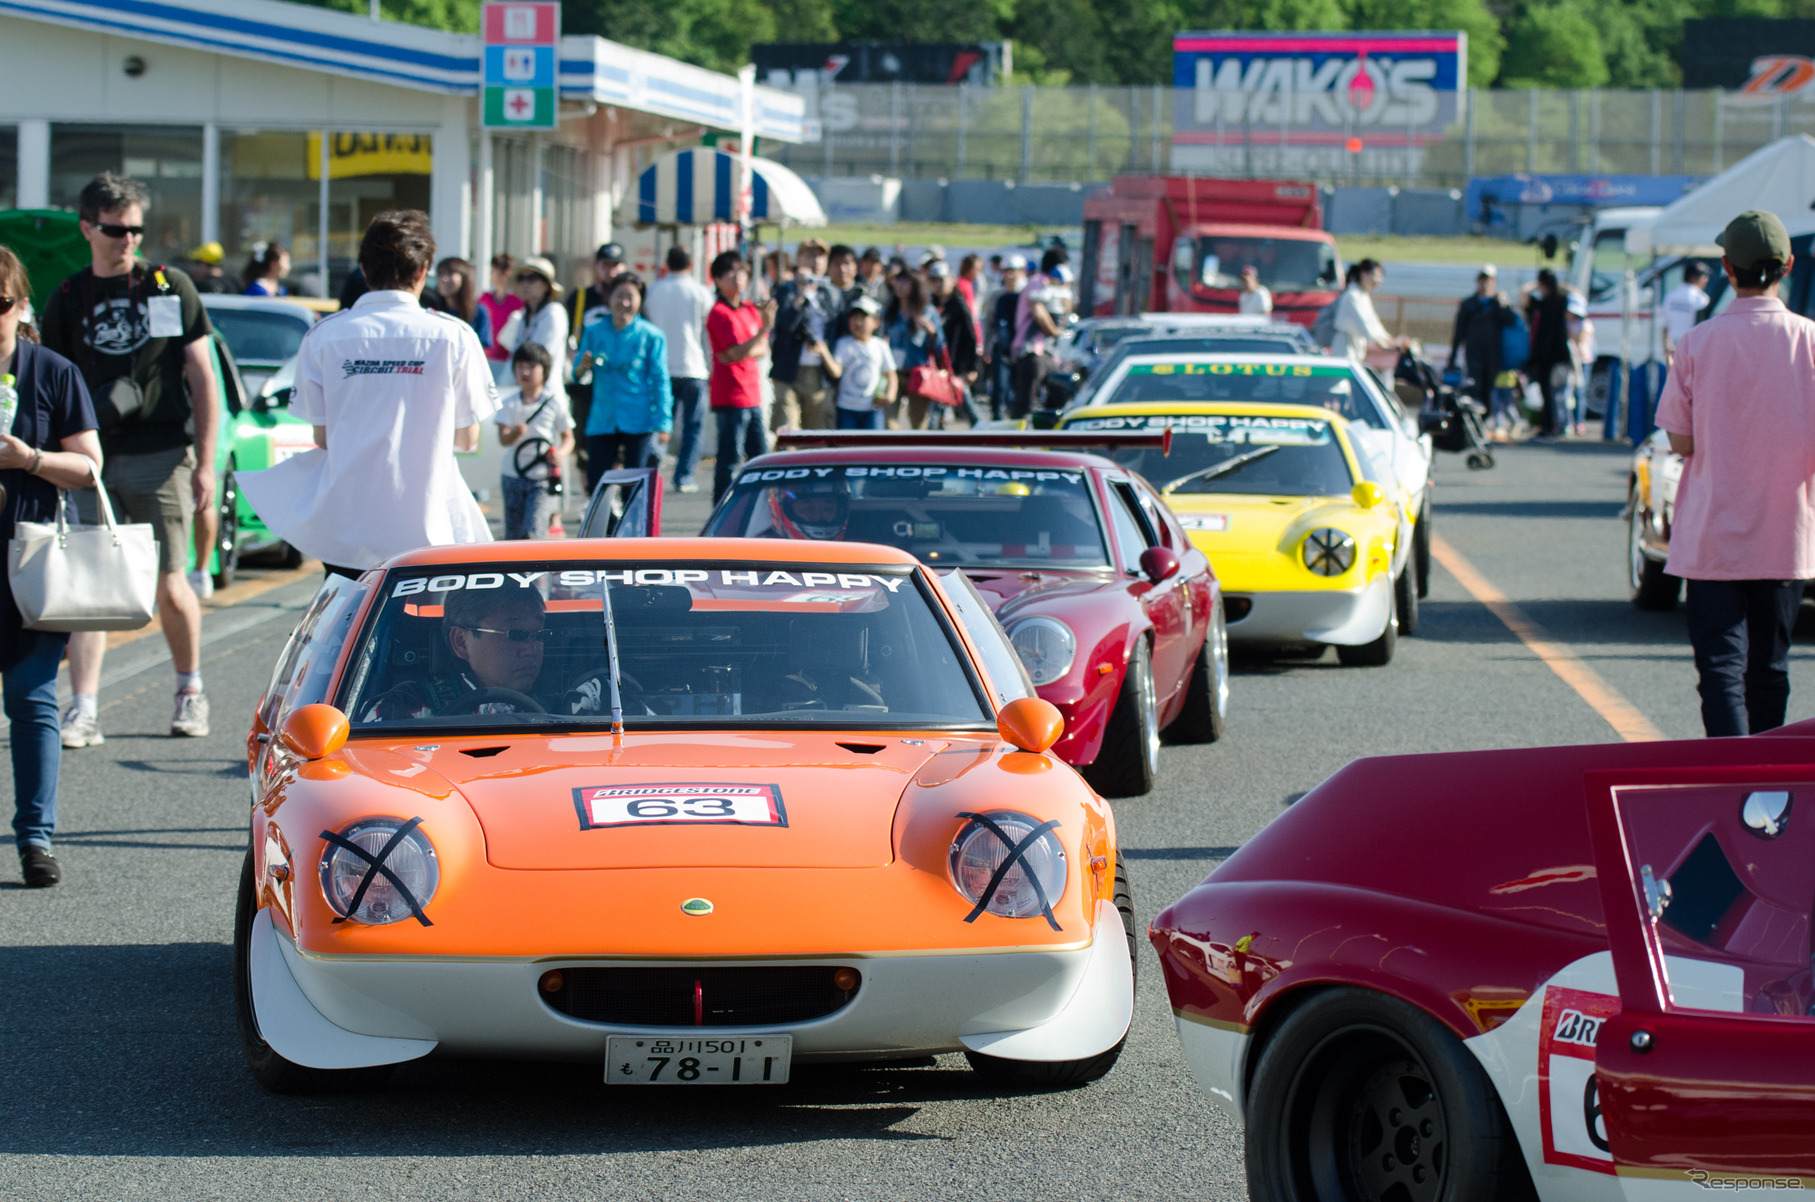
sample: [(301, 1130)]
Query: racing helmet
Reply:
[(810, 509)]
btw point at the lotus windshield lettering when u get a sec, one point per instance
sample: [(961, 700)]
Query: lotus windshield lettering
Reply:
[(1254, 456)]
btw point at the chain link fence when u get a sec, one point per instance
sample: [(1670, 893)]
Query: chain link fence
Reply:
[(1064, 134)]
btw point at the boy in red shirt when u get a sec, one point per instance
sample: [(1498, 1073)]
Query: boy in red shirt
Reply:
[(739, 334)]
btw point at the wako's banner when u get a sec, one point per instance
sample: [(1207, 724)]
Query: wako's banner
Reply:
[(1347, 93)]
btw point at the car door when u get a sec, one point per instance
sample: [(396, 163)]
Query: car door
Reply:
[(1166, 602), (1707, 1071), (626, 504)]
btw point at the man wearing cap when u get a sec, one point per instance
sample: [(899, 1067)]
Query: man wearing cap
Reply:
[(1739, 405), (1480, 319), (587, 305), (806, 312), (206, 272)]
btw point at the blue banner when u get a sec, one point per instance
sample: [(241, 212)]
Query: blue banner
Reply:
[(519, 66)]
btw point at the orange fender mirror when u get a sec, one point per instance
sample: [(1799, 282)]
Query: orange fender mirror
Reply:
[(1030, 724), (314, 731)]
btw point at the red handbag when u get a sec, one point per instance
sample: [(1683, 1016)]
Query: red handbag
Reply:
[(935, 382)]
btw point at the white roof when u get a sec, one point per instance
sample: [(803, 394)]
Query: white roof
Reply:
[(1779, 177)]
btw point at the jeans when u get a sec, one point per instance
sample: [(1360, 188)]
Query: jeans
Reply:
[(689, 417), (527, 507), (602, 454), (860, 419), (740, 433), (30, 695), (1740, 630)]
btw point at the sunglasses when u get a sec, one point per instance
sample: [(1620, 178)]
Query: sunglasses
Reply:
[(517, 636), (122, 231), (7, 303)]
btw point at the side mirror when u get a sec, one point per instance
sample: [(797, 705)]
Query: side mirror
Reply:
[(1030, 723), (1159, 564), (314, 731), (1432, 423), (1367, 494)]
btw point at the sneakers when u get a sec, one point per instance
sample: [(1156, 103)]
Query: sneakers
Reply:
[(689, 487), (202, 581), (81, 730), (191, 716), (39, 867)]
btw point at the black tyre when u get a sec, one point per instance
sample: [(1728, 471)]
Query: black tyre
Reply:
[(268, 1068), (1378, 653), (1405, 600), (1649, 586), (1206, 708), (1130, 755), (1359, 1097), (1479, 461), (1421, 549), (1067, 1074), (226, 538)]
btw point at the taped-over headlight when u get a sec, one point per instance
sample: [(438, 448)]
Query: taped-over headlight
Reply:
[(1046, 647), (410, 859), (989, 839), (1329, 552)]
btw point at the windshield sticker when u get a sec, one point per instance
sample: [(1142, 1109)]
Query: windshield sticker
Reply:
[(907, 471), (1289, 370), (1569, 1098), (677, 804), (586, 578), (1220, 427)]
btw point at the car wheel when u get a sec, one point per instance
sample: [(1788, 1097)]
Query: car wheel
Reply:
[(268, 1068), (226, 538), (1360, 1096), (1421, 549), (1648, 584), (1206, 708), (1067, 1074), (1405, 600), (1378, 653), (1130, 756)]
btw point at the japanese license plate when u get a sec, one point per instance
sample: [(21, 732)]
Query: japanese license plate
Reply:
[(670, 1060)]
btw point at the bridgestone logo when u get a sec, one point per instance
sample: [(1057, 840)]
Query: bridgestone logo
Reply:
[(381, 367), (1575, 1027)]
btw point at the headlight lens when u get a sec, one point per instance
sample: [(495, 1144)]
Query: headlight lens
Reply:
[(1046, 647), (978, 851), (1329, 552), (412, 860)]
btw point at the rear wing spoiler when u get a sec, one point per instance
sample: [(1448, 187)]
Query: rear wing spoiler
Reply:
[(1024, 440)]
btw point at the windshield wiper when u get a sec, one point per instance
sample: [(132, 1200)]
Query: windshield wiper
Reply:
[(611, 655), (1220, 469)]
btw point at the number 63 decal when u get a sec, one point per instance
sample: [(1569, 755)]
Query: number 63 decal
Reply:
[(690, 802)]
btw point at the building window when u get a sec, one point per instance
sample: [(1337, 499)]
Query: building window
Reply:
[(167, 159)]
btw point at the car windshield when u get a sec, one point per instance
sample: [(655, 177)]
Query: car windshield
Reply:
[(264, 337), (1234, 453), (946, 515), (1331, 386), (718, 645), (1284, 264)]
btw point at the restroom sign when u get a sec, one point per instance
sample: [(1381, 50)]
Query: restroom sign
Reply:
[(519, 88)]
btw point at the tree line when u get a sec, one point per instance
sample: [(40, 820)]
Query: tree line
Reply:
[(1511, 43)]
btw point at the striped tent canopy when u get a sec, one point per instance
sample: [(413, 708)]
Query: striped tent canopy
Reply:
[(694, 187)]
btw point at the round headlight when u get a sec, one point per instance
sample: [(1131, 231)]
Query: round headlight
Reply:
[(412, 861), (1046, 647), (978, 852), (1329, 552)]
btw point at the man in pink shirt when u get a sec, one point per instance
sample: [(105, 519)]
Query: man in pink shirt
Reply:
[(1740, 407)]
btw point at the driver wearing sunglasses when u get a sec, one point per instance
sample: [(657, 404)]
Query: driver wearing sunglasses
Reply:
[(497, 639)]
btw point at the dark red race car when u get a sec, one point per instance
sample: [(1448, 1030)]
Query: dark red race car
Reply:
[(1582, 972), (1117, 618)]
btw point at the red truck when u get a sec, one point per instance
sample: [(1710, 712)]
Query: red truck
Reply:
[(1205, 231)]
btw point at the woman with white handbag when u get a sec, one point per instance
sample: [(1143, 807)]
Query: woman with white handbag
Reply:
[(47, 443)]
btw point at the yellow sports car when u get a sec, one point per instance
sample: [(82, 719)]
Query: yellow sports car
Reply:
[(1306, 542)]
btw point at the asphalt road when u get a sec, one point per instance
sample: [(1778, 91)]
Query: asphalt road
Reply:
[(124, 1077)]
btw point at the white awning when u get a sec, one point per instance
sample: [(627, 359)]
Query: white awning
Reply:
[(1779, 177), (694, 187)]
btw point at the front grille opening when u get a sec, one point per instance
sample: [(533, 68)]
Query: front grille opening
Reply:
[(1236, 608), (700, 997)]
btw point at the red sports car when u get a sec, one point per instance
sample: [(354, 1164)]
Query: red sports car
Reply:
[(1116, 616), (1574, 973)]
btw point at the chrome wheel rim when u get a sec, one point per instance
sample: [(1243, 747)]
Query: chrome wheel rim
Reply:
[(1635, 546), (1219, 660), (1150, 724)]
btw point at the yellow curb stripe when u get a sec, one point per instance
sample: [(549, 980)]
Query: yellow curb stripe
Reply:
[(226, 598), (1602, 698)]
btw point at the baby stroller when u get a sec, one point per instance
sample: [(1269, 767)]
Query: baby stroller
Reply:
[(1452, 419)]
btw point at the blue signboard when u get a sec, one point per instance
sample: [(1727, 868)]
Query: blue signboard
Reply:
[(1489, 193), (519, 66)]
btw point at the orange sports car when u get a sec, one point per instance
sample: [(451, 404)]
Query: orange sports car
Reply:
[(695, 810)]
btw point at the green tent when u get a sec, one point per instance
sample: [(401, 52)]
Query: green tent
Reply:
[(50, 244)]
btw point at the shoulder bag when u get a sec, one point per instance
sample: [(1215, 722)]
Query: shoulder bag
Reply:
[(67, 578), (934, 381)]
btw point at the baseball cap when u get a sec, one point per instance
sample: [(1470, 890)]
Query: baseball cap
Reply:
[(1754, 237), (1489, 270), (866, 304), (207, 252), (1015, 263), (939, 269), (613, 251)]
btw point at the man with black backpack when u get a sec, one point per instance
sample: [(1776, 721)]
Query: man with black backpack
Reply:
[(140, 336)]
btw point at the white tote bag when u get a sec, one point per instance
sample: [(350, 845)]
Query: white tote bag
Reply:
[(67, 578)]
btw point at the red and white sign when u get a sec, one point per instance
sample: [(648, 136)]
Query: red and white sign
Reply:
[(532, 23), (1569, 1102), (665, 804)]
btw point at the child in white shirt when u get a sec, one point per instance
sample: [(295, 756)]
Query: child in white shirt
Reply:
[(536, 426), (864, 367)]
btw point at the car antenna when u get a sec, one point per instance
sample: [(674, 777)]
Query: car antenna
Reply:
[(611, 654)]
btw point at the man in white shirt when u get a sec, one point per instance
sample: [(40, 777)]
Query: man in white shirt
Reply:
[(392, 390), (678, 304), (1256, 299), (1681, 306)]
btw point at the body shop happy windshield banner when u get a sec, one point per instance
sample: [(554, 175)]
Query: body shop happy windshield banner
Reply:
[(1310, 103)]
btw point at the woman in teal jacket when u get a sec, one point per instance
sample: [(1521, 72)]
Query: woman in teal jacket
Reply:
[(632, 398)]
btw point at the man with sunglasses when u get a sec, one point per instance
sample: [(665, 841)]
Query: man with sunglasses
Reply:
[(140, 336), (496, 638)]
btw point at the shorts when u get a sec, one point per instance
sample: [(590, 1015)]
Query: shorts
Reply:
[(153, 488)]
